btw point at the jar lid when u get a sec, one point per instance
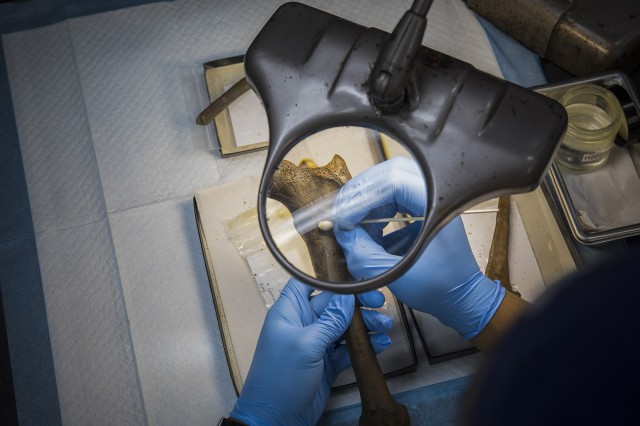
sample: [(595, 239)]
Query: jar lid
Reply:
[(629, 132)]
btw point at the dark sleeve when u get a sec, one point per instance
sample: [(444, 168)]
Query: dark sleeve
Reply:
[(572, 359)]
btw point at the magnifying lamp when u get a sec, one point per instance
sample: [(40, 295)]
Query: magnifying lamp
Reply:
[(473, 136)]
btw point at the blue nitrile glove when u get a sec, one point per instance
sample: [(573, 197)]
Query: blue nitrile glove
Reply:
[(445, 281), (300, 354)]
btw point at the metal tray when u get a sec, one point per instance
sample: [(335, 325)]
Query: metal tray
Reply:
[(555, 180)]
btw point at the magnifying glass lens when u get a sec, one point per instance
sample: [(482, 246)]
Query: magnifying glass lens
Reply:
[(346, 204)]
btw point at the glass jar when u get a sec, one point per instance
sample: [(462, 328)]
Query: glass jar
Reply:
[(594, 119)]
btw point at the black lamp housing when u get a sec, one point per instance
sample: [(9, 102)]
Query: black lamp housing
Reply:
[(474, 136)]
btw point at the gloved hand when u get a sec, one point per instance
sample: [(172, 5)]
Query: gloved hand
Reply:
[(445, 281), (299, 355)]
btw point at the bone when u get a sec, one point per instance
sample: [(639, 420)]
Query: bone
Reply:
[(297, 187), (223, 102), (498, 263)]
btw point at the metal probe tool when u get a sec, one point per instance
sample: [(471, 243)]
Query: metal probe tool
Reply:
[(421, 218)]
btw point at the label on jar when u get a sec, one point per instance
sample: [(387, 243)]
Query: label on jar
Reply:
[(592, 156), (575, 159)]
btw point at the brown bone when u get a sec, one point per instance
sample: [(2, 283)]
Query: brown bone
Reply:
[(498, 264), (296, 187)]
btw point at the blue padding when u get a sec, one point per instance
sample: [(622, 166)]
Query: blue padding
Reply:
[(519, 65), (437, 404), (20, 282), (24, 15), (32, 369), (25, 314), (15, 213)]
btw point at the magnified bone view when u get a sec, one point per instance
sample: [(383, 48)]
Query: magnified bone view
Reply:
[(296, 187), (296, 218)]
